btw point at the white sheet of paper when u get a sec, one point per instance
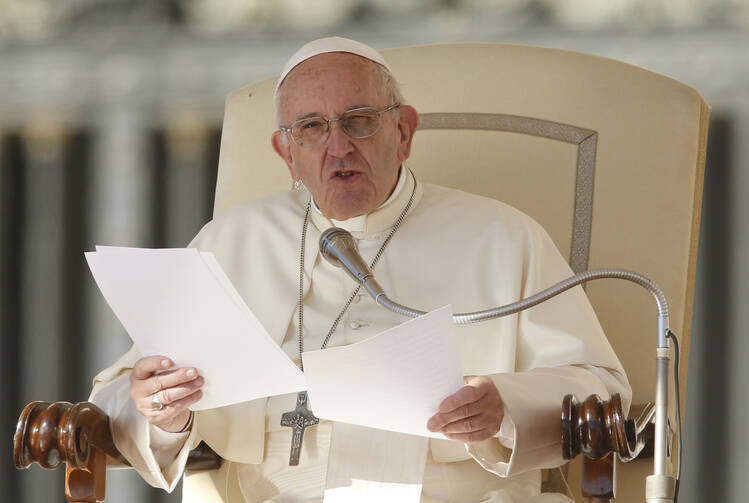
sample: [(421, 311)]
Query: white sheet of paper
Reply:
[(180, 304), (393, 381)]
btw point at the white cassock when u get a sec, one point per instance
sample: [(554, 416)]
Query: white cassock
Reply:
[(452, 248)]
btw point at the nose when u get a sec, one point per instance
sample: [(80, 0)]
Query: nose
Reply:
[(339, 143)]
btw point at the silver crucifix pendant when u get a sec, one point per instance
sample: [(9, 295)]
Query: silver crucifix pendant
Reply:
[(298, 419)]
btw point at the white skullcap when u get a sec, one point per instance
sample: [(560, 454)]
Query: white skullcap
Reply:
[(330, 44)]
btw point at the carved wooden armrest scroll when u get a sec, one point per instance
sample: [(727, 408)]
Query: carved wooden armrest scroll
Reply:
[(598, 429), (51, 433)]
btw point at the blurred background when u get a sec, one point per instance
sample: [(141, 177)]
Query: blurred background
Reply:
[(110, 121)]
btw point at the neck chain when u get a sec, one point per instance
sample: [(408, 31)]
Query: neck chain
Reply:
[(300, 305), (302, 417)]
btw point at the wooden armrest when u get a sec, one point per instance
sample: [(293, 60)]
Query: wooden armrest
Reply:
[(51, 433), (598, 429)]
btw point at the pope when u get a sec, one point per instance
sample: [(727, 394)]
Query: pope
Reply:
[(345, 132)]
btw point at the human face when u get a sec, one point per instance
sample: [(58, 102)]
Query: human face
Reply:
[(346, 177)]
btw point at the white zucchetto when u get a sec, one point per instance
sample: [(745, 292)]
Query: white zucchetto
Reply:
[(330, 44)]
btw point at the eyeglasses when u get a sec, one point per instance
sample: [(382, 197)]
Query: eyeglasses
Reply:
[(357, 123)]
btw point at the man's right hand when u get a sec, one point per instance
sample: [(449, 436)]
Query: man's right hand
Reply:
[(176, 389)]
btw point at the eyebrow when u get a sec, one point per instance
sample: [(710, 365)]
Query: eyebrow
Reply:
[(309, 115)]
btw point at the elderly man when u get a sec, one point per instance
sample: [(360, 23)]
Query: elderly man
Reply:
[(345, 132)]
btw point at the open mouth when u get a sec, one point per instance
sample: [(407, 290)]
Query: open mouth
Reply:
[(344, 174)]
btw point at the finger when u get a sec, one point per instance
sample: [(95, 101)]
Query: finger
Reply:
[(188, 400), (163, 418), (142, 390), (145, 367), (175, 393), (473, 423), (478, 381), (464, 396), (172, 409), (170, 379), (439, 420)]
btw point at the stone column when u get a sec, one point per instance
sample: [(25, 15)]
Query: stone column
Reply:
[(41, 272), (121, 209)]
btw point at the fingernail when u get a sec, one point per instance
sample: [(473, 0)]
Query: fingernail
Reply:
[(164, 363), (190, 373)]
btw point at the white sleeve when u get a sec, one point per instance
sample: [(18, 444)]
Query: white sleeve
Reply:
[(166, 445)]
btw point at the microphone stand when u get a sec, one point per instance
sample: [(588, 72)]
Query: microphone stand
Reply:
[(338, 247)]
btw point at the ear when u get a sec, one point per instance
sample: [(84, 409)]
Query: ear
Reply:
[(408, 120), (283, 149)]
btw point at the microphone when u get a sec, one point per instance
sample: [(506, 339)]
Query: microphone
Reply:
[(338, 247)]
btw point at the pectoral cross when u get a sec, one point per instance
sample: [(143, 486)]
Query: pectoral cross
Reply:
[(298, 419)]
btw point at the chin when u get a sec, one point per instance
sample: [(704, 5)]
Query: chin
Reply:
[(349, 208)]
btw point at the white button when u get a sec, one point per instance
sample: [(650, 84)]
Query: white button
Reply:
[(356, 324)]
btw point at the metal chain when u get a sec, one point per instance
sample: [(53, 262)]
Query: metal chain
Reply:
[(301, 283), (300, 305)]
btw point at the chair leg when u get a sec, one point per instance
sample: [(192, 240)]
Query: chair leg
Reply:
[(87, 485)]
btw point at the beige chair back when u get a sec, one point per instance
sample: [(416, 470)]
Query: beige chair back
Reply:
[(608, 157)]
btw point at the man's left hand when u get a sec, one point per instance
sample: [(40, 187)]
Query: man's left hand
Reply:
[(472, 414)]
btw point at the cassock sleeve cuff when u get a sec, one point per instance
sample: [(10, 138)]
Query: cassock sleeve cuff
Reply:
[(170, 450)]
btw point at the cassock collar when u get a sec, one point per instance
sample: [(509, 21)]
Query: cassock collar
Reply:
[(380, 219)]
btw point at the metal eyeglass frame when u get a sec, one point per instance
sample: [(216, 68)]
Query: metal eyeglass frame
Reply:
[(324, 137)]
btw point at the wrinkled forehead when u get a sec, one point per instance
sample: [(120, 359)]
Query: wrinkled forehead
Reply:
[(345, 66)]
